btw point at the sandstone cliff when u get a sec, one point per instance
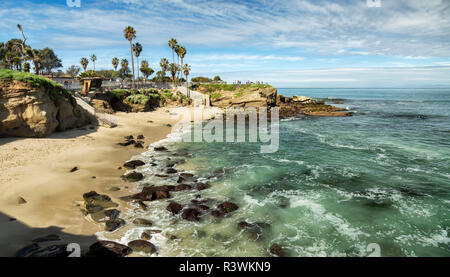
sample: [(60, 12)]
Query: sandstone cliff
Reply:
[(36, 109)]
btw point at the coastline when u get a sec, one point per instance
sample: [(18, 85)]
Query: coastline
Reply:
[(39, 171)]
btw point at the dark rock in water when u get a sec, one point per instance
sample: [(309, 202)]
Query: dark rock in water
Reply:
[(129, 137), (217, 213), (153, 164), (108, 249), (21, 200), (142, 222), (142, 246), (47, 238), (74, 169), (152, 193), (171, 164), (94, 200), (180, 180), (174, 208), (203, 207), (186, 175), (133, 164), (202, 186), (127, 143), (161, 175), (227, 207), (181, 154), (12, 219), (263, 225), (105, 215), (244, 225), (182, 187), (27, 250), (191, 215), (171, 170), (378, 204), (114, 224), (142, 205), (160, 148), (140, 137), (277, 250), (90, 209), (146, 236), (410, 192), (153, 231), (53, 251), (133, 177), (139, 145)]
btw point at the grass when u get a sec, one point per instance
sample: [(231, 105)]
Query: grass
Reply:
[(141, 99), (36, 81), (213, 88), (216, 95)]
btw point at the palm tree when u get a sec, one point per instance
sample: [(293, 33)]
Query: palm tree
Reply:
[(181, 52), (137, 47), (172, 43), (130, 34), (173, 68), (93, 59), (164, 63), (84, 63), (186, 71), (124, 63), (115, 63)]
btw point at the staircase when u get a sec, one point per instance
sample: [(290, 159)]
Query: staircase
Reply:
[(105, 119), (199, 99)]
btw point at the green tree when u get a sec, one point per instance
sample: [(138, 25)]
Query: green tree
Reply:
[(84, 63), (115, 63), (93, 59), (146, 70), (173, 68), (164, 63), (186, 71), (172, 44), (26, 67), (137, 52), (73, 71), (130, 34)]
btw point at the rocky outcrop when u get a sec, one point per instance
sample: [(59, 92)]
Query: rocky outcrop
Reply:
[(37, 111)]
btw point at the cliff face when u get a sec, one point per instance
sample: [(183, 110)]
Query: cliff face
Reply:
[(28, 111), (243, 96), (251, 96)]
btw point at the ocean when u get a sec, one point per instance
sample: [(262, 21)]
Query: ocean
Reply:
[(376, 183)]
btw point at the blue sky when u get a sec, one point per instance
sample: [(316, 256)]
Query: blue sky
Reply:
[(289, 43)]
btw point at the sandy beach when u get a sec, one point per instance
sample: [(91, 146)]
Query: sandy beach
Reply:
[(38, 170)]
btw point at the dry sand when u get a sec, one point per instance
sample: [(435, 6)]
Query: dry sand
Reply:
[(39, 171)]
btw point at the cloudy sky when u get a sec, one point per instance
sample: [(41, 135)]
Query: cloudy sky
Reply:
[(289, 43)]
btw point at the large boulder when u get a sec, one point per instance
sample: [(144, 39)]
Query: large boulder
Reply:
[(108, 249), (32, 110)]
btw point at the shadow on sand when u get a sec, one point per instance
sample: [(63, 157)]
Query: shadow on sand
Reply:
[(20, 240)]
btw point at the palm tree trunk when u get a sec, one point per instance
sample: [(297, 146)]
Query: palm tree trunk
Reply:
[(137, 60), (132, 60)]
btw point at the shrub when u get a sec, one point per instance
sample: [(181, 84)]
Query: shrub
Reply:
[(36, 81)]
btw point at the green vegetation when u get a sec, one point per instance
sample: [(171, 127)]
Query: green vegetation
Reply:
[(141, 99), (201, 79), (170, 95), (36, 81), (215, 95)]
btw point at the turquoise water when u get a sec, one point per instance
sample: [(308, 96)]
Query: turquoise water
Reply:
[(335, 186)]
